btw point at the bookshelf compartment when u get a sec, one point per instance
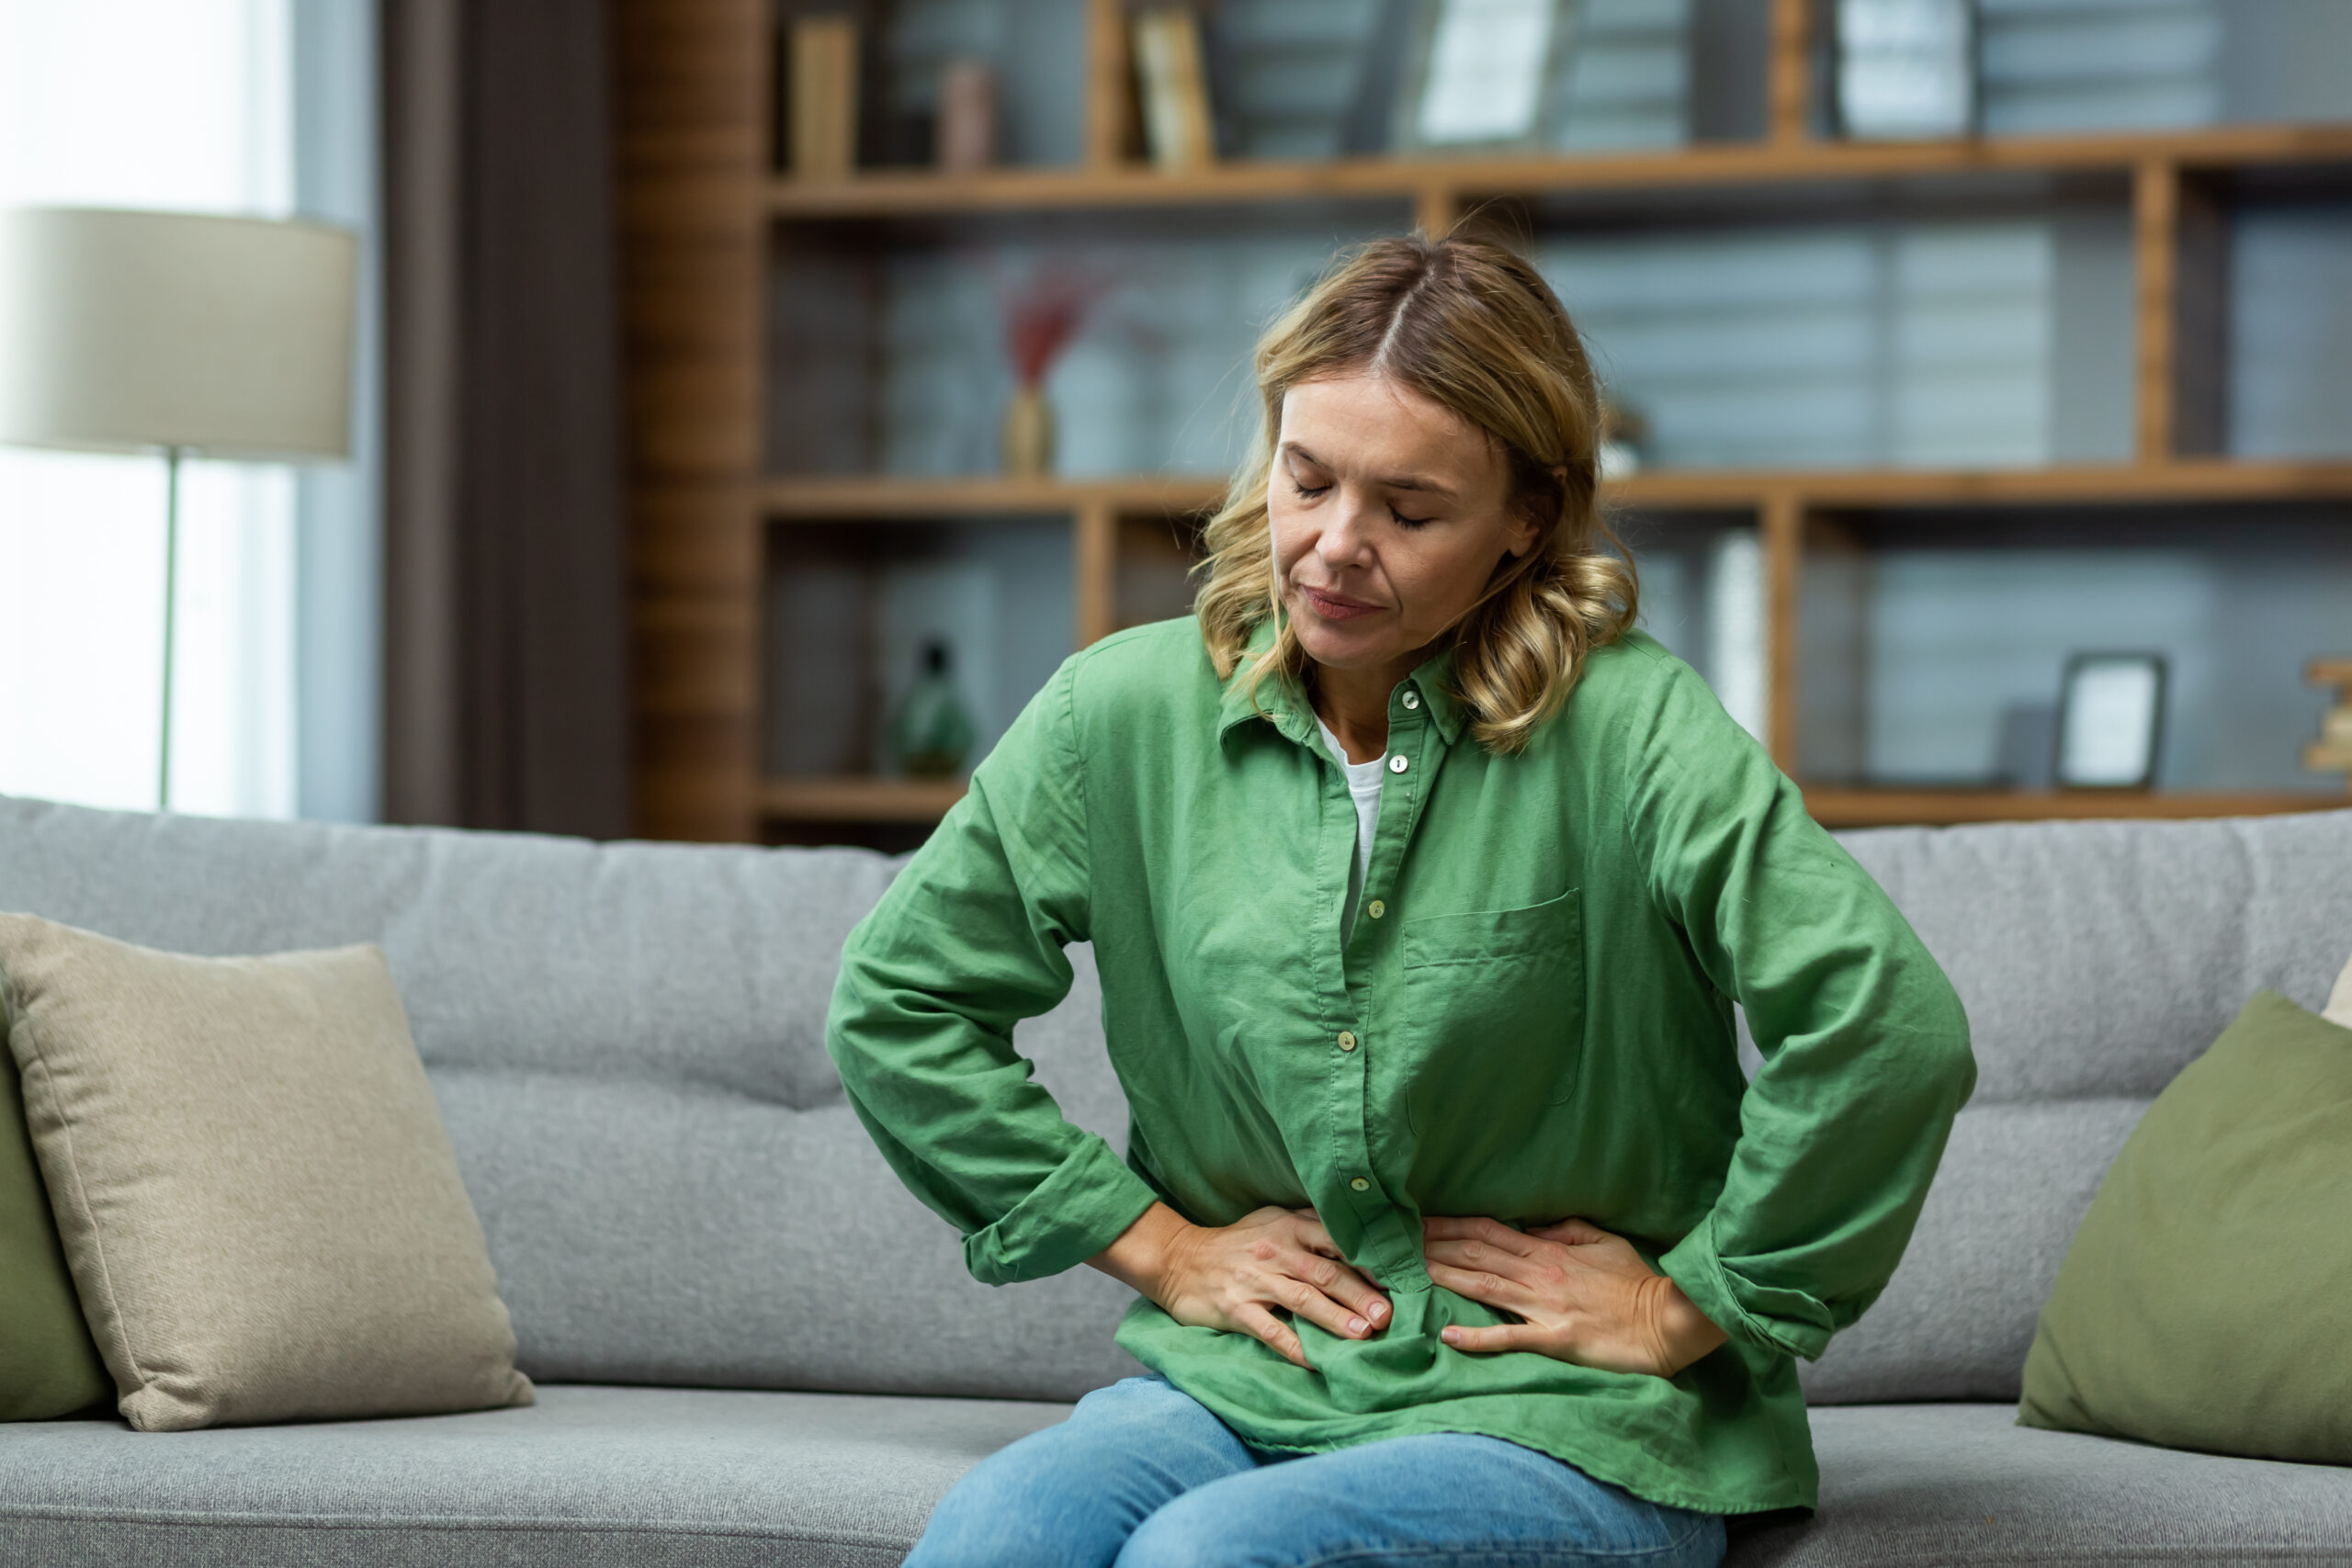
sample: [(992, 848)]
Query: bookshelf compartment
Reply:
[(1959, 625), (1989, 340), (890, 357), (2288, 326), (848, 608)]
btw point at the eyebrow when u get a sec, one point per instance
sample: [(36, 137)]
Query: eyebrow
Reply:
[(1398, 482)]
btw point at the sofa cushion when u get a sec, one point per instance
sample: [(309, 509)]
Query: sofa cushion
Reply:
[(1958, 1318), (2100, 958), (668, 1478), (1952, 1484), (630, 1477), (767, 1248), (48, 1365), (254, 1190), (2207, 1299)]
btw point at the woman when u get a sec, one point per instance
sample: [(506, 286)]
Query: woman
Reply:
[(1422, 888)]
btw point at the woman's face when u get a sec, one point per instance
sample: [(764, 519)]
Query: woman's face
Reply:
[(1388, 512)]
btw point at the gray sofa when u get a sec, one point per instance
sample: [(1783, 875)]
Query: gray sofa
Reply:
[(755, 1348)]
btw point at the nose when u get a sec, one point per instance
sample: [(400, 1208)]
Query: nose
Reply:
[(1345, 540)]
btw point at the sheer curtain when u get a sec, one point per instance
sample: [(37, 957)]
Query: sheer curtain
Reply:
[(187, 105)]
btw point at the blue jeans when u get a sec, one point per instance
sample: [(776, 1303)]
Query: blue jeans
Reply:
[(1146, 1477)]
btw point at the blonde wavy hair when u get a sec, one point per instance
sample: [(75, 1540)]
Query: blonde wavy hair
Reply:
[(1475, 328)]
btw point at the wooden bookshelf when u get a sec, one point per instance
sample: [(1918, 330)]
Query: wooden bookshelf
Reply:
[(703, 213)]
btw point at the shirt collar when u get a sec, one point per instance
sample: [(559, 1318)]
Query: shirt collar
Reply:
[(1285, 704)]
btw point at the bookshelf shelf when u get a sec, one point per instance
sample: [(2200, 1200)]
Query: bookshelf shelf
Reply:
[(708, 219), (855, 799), (2183, 481), (1893, 807), (1696, 169)]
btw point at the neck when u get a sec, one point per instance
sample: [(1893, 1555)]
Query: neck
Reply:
[(1354, 702)]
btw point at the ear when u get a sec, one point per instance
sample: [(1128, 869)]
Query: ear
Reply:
[(1523, 528)]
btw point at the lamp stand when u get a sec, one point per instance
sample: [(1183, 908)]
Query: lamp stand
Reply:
[(171, 456)]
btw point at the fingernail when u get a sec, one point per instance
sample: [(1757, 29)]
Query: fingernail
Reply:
[(1378, 1309), (1450, 1336), (1357, 1325)]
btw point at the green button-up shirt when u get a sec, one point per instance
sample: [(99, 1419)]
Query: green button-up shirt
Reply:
[(1541, 1023)]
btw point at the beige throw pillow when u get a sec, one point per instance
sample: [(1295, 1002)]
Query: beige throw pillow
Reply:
[(257, 1199)]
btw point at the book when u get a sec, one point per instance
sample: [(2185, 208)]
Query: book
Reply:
[(1173, 83), (824, 97)]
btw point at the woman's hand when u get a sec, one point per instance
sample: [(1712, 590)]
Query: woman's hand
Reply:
[(1231, 1277), (1585, 1295)]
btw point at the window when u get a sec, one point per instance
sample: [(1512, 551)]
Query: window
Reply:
[(189, 106)]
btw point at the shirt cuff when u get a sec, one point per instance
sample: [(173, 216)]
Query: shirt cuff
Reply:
[(1776, 1321), (1074, 1213)]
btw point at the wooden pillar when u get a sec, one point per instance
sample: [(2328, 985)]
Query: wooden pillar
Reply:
[(1436, 209), (1096, 546), (693, 154), (1782, 529), (1789, 81), (2179, 247)]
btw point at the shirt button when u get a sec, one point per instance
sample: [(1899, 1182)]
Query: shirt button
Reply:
[(1413, 699), (1375, 909), (1396, 764), (1347, 1040), (1359, 1184)]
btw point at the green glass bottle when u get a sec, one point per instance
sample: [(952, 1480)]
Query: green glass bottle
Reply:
[(931, 734)]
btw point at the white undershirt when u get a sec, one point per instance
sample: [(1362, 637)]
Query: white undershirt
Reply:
[(1363, 783)]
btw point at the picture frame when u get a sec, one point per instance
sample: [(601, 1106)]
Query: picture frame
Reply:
[(1483, 76), (2111, 720)]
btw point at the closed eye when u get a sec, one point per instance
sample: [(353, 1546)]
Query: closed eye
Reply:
[(1309, 493)]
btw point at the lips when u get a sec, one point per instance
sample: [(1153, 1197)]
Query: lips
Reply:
[(1333, 607)]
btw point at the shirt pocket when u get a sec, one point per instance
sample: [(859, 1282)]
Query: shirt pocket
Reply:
[(1494, 1002)]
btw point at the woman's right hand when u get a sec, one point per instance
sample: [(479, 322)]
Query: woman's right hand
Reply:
[(1232, 1277)]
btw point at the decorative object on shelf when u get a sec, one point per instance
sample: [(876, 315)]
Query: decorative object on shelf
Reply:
[(824, 97), (931, 734), (967, 116), (1484, 76), (2331, 753), (1907, 69), (183, 333), (1040, 319), (2111, 720), (1171, 77), (1624, 436)]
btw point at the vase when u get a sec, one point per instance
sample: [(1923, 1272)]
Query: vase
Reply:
[(931, 734), (1028, 432)]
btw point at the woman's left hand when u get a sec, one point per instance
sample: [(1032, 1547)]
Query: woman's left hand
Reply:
[(1585, 1295)]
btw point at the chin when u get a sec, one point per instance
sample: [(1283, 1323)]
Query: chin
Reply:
[(1340, 647)]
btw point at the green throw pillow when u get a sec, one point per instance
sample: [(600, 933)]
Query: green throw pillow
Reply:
[(2207, 1299), (48, 1365)]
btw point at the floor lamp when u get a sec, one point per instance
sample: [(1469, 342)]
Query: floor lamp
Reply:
[(191, 334)]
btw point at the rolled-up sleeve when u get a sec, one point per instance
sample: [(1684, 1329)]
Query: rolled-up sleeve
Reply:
[(1865, 1047), (966, 942)]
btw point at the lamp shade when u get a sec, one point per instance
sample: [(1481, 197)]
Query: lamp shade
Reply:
[(125, 331)]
